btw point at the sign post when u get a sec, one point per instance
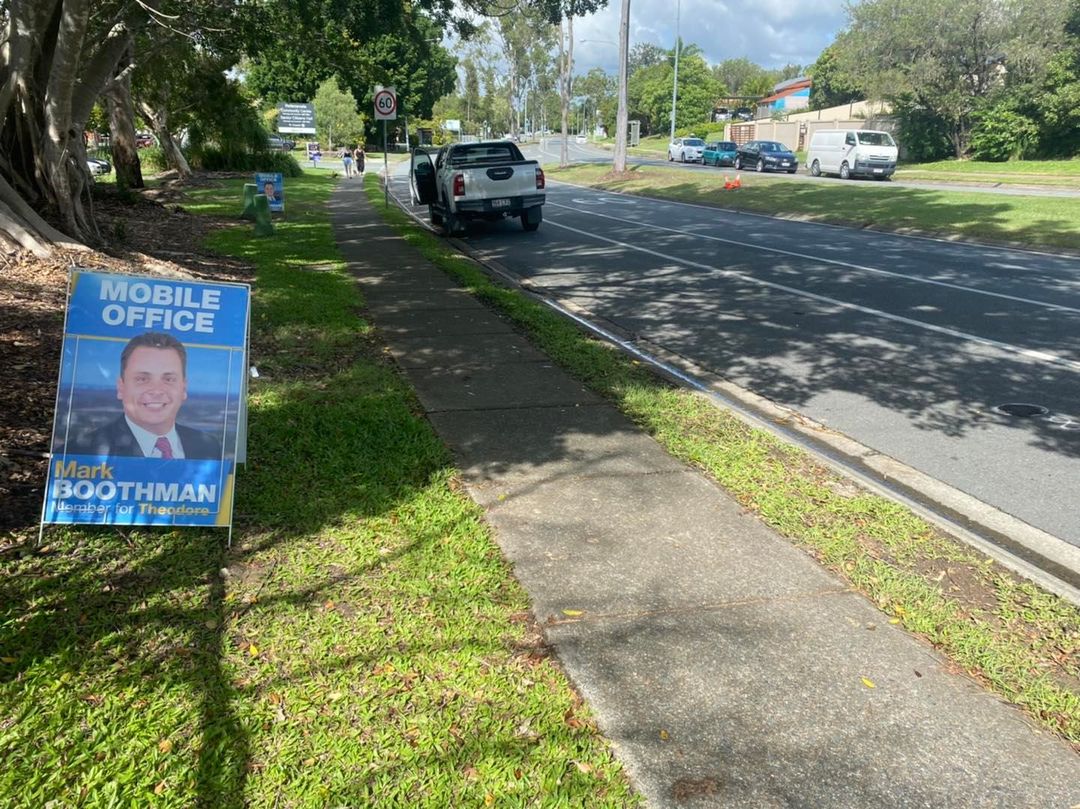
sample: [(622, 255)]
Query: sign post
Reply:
[(385, 110)]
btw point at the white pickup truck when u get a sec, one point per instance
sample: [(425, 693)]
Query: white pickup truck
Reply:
[(488, 180)]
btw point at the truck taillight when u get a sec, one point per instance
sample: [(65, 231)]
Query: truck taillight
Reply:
[(459, 185), (539, 177)]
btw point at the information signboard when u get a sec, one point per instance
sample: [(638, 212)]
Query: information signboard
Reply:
[(149, 401), (296, 118)]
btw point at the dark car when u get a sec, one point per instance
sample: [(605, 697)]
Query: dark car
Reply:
[(719, 154), (743, 114), (766, 155)]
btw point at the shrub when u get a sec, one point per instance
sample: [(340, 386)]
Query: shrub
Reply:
[(1002, 133), (923, 136), (152, 159), (211, 158)]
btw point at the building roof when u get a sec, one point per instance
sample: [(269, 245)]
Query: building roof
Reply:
[(784, 85), (787, 88)]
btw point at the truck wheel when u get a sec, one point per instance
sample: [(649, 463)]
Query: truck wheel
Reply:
[(436, 218), (531, 218), (815, 169), (845, 171), (452, 225)]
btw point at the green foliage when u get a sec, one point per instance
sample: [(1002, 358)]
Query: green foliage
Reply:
[(738, 74), (153, 160), (947, 58), (832, 85), (1002, 133), (649, 94), (1056, 101), (922, 134), (211, 158), (336, 117), (645, 54)]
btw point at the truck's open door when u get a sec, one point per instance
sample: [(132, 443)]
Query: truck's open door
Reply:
[(422, 178)]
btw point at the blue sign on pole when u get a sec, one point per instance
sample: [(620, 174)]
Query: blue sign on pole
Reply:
[(272, 183), (149, 402)]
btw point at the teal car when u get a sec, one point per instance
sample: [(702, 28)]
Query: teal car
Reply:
[(720, 153)]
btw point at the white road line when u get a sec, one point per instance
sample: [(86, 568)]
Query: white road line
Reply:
[(1016, 299), (1038, 356)]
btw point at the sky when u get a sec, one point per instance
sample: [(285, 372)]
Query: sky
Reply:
[(771, 33)]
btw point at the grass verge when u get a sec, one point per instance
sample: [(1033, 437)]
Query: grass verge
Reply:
[(1019, 640), (362, 644), (1026, 220)]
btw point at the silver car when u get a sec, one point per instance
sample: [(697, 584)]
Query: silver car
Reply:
[(686, 150)]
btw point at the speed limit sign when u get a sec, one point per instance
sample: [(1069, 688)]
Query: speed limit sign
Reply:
[(385, 104)]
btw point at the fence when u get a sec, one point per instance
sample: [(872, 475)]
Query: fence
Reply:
[(797, 134)]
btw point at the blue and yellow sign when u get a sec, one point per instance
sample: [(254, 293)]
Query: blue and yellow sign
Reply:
[(149, 401)]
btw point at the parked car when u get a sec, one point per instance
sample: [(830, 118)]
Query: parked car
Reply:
[(488, 180), (280, 144), (98, 166), (766, 155), (686, 150), (852, 153), (720, 153), (743, 114)]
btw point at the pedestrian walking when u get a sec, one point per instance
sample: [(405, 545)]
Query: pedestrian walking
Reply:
[(346, 159), (358, 159)]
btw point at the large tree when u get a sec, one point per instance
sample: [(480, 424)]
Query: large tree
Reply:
[(832, 84), (946, 58)]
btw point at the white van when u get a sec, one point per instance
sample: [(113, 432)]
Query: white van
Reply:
[(852, 153)]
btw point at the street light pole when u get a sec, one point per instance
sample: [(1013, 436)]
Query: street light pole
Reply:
[(675, 84)]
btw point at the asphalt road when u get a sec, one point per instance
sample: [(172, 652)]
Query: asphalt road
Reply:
[(905, 344)]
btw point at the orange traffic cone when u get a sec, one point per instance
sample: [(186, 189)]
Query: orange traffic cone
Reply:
[(727, 183), (738, 181)]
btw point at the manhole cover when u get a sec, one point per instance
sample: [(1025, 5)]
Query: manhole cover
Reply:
[(1021, 410)]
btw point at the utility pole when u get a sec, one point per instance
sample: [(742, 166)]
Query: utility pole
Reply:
[(622, 116), (675, 84)]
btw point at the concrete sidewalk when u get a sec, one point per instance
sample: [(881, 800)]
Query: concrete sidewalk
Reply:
[(724, 664)]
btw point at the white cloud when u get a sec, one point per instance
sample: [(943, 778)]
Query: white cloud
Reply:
[(770, 32)]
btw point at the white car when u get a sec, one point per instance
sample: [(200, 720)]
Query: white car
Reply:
[(686, 150), (98, 166), (581, 139)]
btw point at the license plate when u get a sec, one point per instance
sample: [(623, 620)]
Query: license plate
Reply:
[(878, 171), (500, 203), (785, 163)]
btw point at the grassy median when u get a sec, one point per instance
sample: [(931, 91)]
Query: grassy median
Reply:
[(1022, 642), (361, 644), (1031, 221)]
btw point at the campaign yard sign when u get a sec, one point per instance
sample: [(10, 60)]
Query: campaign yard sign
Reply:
[(149, 401), (272, 183)]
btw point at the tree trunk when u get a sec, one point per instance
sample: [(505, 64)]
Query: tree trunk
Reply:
[(159, 122), (122, 144), (51, 72)]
